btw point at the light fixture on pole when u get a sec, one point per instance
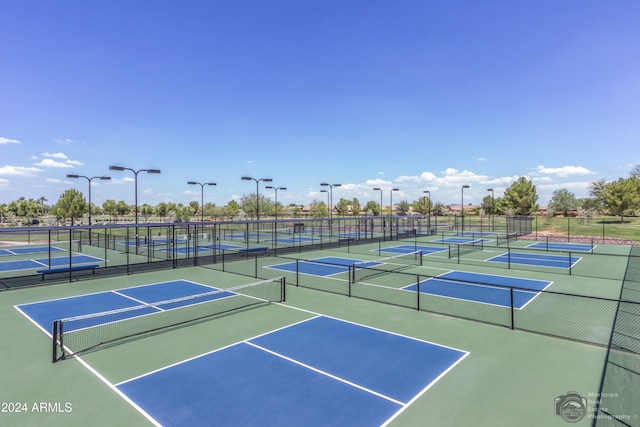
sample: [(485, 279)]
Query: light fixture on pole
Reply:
[(201, 184), (135, 173), (493, 210), (391, 201), (276, 190), (326, 191), (380, 190), (248, 178), (326, 184), (462, 206), (102, 178)]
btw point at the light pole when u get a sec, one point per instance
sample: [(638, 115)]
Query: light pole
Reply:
[(380, 190), (201, 184), (428, 210), (276, 189), (102, 178), (248, 178), (391, 202), (493, 208), (326, 191), (326, 184), (135, 173), (462, 206)]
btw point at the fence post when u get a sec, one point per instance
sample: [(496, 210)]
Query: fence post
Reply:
[(418, 292)]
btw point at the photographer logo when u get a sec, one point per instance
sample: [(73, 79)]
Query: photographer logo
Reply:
[(571, 406)]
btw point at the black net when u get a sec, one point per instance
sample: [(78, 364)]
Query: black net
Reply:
[(82, 334), (366, 269)]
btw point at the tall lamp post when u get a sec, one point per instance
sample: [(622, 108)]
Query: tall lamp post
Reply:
[(462, 206), (326, 184), (102, 178), (201, 184), (391, 202), (380, 190), (493, 208), (428, 210), (276, 190), (326, 191), (248, 178), (135, 173)]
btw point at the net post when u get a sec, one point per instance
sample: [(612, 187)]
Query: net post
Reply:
[(283, 289), (512, 308), (54, 335), (570, 263), (509, 258), (351, 273), (418, 292), (297, 272)]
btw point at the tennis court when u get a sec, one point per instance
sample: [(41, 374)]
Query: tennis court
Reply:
[(542, 260), (322, 267), (27, 264), (28, 250), (348, 364), (482, 288), (405, 249), (562, 246)]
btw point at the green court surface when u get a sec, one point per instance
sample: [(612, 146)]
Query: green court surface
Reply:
[(509, 378)]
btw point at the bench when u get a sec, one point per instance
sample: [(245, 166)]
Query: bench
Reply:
[(250, 250), (67, 269)]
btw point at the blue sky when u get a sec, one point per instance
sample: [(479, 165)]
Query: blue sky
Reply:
[(417, 95)]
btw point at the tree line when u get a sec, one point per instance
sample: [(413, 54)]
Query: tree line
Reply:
[(618, 198)]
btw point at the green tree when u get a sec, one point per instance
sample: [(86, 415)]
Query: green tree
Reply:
[(404, 207), (621, 195), (318, 209), (488, 205), (233, 208), (563, 200), (635, 172), (522, 197), (372, 208), (356, 207), (422, 205), (597, 190), (71, 205), (342, 208), (438, 208), (146, 211)]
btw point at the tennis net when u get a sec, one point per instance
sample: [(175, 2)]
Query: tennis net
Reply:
[(82, 334), (465, 248), (363, 270)]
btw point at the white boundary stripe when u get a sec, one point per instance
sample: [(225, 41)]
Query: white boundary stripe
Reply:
[(133, 299), (424, 390), (326, 373), (210, 352)]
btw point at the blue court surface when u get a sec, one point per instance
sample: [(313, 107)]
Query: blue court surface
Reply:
[(26, 264), (406, 249), (322, 267), (561, 246), (320, 372), (45, 312), (482, 288), (542, 260), (27, 250)]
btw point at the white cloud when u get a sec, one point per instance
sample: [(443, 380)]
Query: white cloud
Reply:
[(55, 155), (4, 140), (66, 141), (49, 163), (18, 170), (74, 163), (480, 159), (4, 183), (423, 177), (564, 171)]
